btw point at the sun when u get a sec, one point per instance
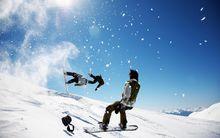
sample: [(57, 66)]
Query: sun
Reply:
[(64, 3)]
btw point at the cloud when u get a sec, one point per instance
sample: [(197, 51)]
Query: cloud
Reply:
[(32, 64), (30, 14), (41, 63)]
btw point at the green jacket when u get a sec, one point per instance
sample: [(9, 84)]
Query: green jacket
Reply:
[(130, 92)]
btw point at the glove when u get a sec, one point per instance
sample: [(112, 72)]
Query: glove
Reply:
[(96, 89)]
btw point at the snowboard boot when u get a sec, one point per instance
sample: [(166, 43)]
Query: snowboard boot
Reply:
[(123, 127), (103, 126)]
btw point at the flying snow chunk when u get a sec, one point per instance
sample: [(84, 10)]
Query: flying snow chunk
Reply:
[(151, 9), (129, 61), (183, 95), (142, 39), (123, 14), (203, 18), (205, 41), (201, 9), (107, 65)]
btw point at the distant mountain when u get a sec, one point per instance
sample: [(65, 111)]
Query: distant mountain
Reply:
[(183, 112), (211, 113)]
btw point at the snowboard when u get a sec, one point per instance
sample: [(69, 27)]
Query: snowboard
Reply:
[(65, 80), (92, 130)]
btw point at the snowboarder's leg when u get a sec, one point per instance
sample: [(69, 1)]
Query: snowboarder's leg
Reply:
[(99, 85), (94, 79), (107, 115), (72, 81), (108, 112), (123, 119), (70, 74), (92, 82)]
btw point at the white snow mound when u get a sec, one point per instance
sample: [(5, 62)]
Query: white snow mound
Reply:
[(30, 111), (211, 113)]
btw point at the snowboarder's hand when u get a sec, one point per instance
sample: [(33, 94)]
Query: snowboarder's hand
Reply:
[(96, 89)]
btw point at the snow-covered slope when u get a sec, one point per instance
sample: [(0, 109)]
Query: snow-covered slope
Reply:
[(29, 111), (211, 113)]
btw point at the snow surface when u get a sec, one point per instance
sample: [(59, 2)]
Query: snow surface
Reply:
[(211, 113), (30, 111)]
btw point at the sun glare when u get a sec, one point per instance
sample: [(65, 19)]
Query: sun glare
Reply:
[(64, 3)]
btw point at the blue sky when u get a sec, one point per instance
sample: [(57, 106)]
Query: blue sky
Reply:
[(173, 44)]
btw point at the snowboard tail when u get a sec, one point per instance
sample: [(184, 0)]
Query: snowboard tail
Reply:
[(65, 80)]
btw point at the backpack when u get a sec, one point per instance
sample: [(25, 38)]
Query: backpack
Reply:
[(135, 87)]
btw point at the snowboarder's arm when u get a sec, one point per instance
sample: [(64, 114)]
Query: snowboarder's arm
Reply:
[(91, 75), (98, 86)]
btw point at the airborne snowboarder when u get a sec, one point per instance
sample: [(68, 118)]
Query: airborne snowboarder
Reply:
[(98, 79), (129, 96), (79, 80)]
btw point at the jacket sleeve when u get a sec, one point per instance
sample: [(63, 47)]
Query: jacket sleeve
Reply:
[(127, 92)]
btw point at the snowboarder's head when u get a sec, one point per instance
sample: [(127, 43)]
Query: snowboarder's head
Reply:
[(133, 74)]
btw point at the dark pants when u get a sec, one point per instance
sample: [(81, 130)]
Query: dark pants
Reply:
[(75, 78), (94, 79), (114, 107)]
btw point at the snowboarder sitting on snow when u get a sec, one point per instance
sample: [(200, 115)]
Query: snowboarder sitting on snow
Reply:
[(129, 95), (79, 80)]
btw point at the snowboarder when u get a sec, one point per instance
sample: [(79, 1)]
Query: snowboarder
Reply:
[(129, 96), (79, 80), (98, 79)]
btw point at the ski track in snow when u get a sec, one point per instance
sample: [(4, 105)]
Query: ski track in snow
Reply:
[(29, 111)]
